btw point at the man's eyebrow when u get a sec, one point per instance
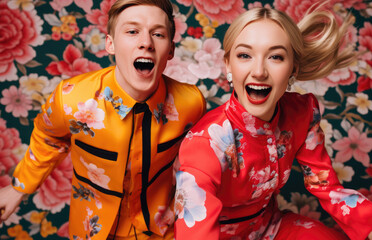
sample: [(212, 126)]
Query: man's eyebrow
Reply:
[(156, 26), (271, 48)]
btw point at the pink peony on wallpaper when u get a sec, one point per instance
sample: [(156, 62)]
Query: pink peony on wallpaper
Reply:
[(43, 42)]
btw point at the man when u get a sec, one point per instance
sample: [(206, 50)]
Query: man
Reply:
[(122, 125)]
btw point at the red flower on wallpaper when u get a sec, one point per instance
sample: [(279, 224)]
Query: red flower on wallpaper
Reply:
[(73, 63), (296, 9), (55, 192), (9, 141), (19, 32), (220, 11), (99, 17), (365, 36)]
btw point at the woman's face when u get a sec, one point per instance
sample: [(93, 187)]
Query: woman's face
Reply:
[(261, 61)]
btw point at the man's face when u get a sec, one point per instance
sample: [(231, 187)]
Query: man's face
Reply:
[(142, 47)]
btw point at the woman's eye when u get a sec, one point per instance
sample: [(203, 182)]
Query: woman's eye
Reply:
[(243, 55), (277, 57)]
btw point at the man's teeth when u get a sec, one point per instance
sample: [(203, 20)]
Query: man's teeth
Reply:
[(255, 87), (144, 60)]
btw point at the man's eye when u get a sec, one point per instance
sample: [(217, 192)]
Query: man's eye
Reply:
[(158, 35), (132, 32)]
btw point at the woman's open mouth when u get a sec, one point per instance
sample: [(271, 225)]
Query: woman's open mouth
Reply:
[(257, 94), (143, 65)]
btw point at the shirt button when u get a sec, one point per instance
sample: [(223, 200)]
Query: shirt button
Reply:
[(269, 140)]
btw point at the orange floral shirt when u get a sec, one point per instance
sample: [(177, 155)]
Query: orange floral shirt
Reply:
[(107, 133)]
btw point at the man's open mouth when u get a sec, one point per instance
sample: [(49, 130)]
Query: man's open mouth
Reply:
[(144, 65), (257, 93)]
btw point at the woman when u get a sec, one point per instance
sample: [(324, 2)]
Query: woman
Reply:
[(235, 160)]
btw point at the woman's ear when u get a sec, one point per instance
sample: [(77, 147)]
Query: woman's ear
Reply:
[(109, 45), (296, 68), (227, 65)]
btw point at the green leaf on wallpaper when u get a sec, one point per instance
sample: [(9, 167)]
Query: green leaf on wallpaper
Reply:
[(21, 68), (33, 63), (52, 20), (53, 57), (24, 121)]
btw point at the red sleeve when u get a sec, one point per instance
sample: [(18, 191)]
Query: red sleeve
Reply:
[(198, 179), (350, 209)]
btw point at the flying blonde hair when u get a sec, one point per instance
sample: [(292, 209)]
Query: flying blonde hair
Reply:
[(315, 40)]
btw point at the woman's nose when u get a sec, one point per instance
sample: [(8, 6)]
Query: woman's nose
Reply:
[(259, 70)]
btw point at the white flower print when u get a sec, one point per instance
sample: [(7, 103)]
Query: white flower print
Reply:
[(349, 197), (189, 199), (224, 142)]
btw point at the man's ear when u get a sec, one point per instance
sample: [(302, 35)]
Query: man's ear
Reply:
[(171, 51), (109, 45)]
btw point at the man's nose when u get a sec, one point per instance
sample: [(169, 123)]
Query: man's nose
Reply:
[(145, 41)]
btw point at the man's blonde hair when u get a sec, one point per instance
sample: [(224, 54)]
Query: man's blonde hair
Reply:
[(121, 5), (315, 40)]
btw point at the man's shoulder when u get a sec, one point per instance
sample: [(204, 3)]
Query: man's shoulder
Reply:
[(90, 77)]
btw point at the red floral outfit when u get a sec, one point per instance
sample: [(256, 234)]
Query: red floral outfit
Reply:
[(234, 164)]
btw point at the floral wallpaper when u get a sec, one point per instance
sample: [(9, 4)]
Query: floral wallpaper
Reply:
[(43, 42)]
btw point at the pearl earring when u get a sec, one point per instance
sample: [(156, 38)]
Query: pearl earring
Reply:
[(229, 78), (291, 82)]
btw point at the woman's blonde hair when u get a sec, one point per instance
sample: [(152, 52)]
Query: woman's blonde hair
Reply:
[(121, 5), (315, 40)]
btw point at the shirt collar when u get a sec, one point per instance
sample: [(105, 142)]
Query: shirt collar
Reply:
[(245, 121), (124, 103)]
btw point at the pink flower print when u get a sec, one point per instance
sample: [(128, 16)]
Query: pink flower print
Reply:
[(96, 175), (209, 59), (63, 230), (365, 36), (67, 88), (170, 110), (164, 218), (67, 109), (338, 77), (9, 141), (91, 115), (72, 64), (181, 26), (16, 102), (249, 122), (263, 181), (356, 145), (229, 228), (20, 31), (47, 120), (177, 69), (220, 11), (296, 9), (99, 17)]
